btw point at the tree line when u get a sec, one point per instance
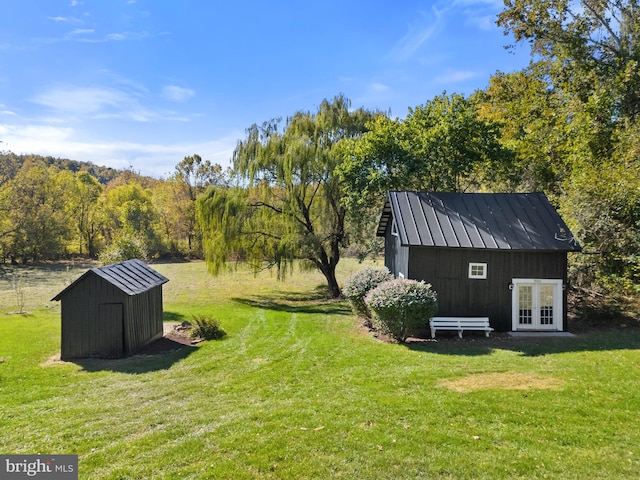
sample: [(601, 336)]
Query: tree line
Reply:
[(55, 208), (312, 185)]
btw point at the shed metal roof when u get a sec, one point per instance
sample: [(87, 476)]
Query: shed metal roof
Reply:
[(502, 221), (131, 276)]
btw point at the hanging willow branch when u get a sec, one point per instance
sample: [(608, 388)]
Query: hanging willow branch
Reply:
[(291, 206)]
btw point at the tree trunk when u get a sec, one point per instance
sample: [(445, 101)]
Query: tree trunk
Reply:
[(327, 266), (332, 282)]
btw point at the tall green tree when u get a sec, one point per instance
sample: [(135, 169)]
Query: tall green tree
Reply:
[(192, 177), (34, 205), (439, 146), (81, 207), (129, 218), (591, 49), (533, 119), (291, 207)]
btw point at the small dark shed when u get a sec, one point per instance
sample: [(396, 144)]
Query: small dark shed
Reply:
[(496, 255), (111, 311)]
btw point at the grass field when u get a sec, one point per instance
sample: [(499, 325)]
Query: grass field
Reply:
[(297, 390)]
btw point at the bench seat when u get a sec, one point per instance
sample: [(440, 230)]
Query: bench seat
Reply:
[(460, 324)]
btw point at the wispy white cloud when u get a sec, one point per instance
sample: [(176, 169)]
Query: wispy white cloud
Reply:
[(16, 137), (156, 159), (61, 19), (455, 76), (370, 92), (481, 14), (124, 83), (417, 36), (114, 37), (82, 31), (83, 100), (177, 94), (379, 87), (486, 22), (100, 103), (477, 13)]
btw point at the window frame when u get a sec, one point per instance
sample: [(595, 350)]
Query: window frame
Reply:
[(473, 272)]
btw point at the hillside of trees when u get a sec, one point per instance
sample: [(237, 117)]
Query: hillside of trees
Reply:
[(56, 208), (311, 186)]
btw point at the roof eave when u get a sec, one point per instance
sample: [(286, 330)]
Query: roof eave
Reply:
[(458, 247)]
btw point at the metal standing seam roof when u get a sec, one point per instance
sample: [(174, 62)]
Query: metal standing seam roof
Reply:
[(131, 276), (502, 221)]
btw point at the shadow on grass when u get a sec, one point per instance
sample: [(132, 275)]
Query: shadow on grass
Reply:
[(531, 347), (160, 355), (316, 301), (172, 317)]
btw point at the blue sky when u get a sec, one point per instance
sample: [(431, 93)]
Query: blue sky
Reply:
[(148, 82)]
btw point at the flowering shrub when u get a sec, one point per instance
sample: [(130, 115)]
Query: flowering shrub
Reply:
[(360, 283), (400, 306)]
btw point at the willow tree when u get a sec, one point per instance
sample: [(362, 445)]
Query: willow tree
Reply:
[(289, 206)]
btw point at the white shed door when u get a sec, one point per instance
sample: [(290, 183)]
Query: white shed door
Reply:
[(537, 304)]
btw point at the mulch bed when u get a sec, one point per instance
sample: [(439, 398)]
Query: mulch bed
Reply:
[(173, 339)]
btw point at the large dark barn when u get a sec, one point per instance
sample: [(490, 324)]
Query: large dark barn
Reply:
[(111, 311), (502, 255)]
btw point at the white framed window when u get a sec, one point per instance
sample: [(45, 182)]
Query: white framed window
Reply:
[(478, 271)]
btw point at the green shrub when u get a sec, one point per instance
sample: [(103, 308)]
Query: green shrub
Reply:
[(362, 282), (206, 327), (401, 306)]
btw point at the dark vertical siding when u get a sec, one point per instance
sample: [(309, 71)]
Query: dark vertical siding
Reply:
[(84, 333), (447, 270), (144, 319), (109, 333)]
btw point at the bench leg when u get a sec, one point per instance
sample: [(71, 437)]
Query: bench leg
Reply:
[(460, 333), (433, 333)]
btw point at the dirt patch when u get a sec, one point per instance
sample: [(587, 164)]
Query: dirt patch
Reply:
[(168, 343), (53, 360), (174, 337), (502, 381)]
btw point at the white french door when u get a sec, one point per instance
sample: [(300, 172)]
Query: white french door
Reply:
[(537, 304)]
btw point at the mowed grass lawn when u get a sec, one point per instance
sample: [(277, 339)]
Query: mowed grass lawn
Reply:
[(297, 390)]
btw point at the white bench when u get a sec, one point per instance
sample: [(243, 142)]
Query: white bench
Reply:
[(460, 324)]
